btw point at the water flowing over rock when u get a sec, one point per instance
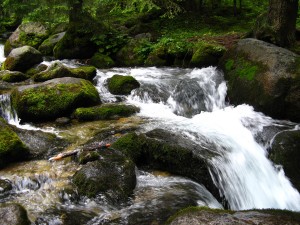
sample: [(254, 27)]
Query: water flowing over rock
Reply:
[(264, 76)]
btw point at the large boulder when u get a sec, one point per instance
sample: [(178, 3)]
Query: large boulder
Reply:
[(285, 151), (12, 76), (113, 176), (31, 34), (122, 85), (54, 98), (46, 48), (265, 76), (203, 216), (41, 145), (59, 70), (166, 151), (21, 59), (105, 112), (13, 214), (12, 149)]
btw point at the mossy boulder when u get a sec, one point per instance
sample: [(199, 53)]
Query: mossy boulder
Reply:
[(132, 53), (31, 34), (264, 76), (101, 61), (36, 69), (122, 85), (12, 149), (203, 216), (166, 151), (285, 151), (13, 214), (59, 70), (77, 42), (206, 54), (12, 76), (54, 98), (105, 112), (113, 176), (21, 59), (46, 48)]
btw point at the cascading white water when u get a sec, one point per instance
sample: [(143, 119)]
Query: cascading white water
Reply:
[(10, 115), (2, 57), (240, 167)]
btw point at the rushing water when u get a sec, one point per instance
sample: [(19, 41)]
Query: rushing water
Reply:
[(192, 102), (2, 57), (184, 101)]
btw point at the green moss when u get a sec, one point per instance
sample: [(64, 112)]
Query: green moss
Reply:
[(14, 76), (44, 103), (102, 61), (84, 72), (229, 64), (247, 70), (86, 157), (122, 85), (11, 147), (104, 112), (206, 54)]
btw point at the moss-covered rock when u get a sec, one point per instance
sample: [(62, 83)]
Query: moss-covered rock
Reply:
[(105, 112), (122, 85), (264, 76), (31, 34), (36, 69), (113, 176), (46, 48), (78, 43), (21, 59), (12, 149), (285, 151), (206, 54), (203, 216), (13, 214), (12, 76), (166, 151), (58, 70), (132, 53), (54, 98), (101, 61)]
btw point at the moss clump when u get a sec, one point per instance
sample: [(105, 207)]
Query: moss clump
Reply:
[(84, 72), (229, 64), (122, 85), (206, 54), (12, 76), (102, 61), (11, 147), (49, 101), (104, 112), (58, 70)]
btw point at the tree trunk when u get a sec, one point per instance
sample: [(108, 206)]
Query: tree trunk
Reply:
[(75, 10), (234, 8), (282, 18)]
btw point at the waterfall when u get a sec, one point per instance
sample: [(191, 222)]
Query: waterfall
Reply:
[(192, 102), (2, 57)]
